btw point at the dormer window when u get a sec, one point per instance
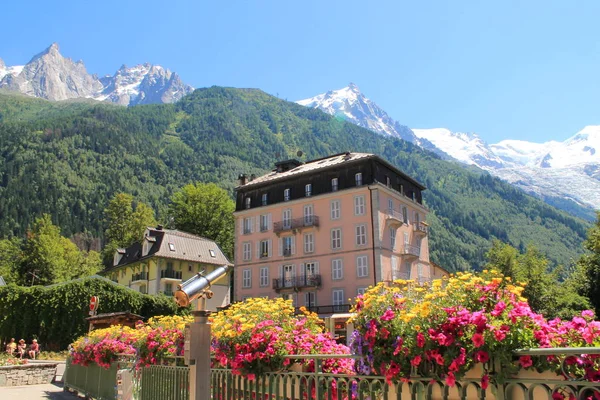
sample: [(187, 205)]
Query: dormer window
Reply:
[(334, 184), (308, 190), (286, 195), (265, 198), (358, 179), (212, 253), (172, 246), (248, 202), (388, 181)]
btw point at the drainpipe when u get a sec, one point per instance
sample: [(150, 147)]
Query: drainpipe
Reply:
[(373, 236)]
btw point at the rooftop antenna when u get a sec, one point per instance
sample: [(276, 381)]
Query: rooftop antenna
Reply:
[(299, 153)]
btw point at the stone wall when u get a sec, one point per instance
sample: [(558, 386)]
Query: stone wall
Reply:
[(28, 374)]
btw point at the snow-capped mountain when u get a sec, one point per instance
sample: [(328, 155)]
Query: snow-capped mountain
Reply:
[(350, 104), (51, 76), (558, 172)]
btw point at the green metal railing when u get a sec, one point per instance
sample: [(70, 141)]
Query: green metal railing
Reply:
[(91, 381), (162, 382)]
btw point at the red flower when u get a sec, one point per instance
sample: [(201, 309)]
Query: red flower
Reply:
[(478, 340), (482, 356), (485, 381), (450, 379), (526, 361), (420, 340), (415, 361), (388, 315)]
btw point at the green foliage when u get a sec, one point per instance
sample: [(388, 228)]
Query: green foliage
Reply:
[(55, 315), (588, 267), (545, 291), (126, 222), (205, 210), (10, 259), (53, 258), (83, 156)]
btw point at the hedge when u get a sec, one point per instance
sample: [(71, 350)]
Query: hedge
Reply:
[(55, 314)]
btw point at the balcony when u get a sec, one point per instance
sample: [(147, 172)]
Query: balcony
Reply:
[(170, 274), (287, 252), (421, 229), (297, 223), (411, 252), (297, 282), (139, 277), (394, 218), (331, 309)]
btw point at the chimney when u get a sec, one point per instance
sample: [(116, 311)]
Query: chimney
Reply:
[(243, 179), (159, 227)]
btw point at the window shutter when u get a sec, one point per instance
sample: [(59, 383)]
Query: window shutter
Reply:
[(281, 271), (302, 270), (241, 226), (269, 223), (258, 253), (270, 246), (280, 247), (251, 224), (293, 244)]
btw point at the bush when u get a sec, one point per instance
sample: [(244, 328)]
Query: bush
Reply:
[(55, 315)]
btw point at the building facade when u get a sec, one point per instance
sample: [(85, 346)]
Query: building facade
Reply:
[(164, 259), (323, 231)]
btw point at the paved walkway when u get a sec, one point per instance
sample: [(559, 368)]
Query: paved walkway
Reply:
[(52, 391)]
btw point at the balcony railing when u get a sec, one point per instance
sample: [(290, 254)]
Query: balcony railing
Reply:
[(421, 229), (330, 309), (170, 274), (297, 282), (140, 276), (287, 252), (296, 223), (412, 251), (395, 217)]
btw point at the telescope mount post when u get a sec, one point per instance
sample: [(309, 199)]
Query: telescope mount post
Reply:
[(200, 339)]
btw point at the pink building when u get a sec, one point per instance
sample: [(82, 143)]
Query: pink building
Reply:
[(323, 231)]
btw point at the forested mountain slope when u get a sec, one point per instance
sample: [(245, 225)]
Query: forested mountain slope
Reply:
[(69, 161)]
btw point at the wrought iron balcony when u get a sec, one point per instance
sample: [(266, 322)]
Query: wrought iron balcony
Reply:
[(297, 282), (394, 218), (287, 252), (140, 276), (330, 309), (170, 274), (296, 223), (421, 229), (411, 251)]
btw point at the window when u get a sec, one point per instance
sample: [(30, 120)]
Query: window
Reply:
[(308, 215), (335, 209), (264, 249), (310, 299), (358, 179), (388, 181), (402, 190), (392, 238), (395, 268), (172, 246), (309, 242), (334, 184), (248, 202), (288, 245), (338, 299), (361, 235), (361, 266), (308, 190), (264, 222), (247, 251), (247, 278), (247, 226), (417, 218), (359, 205), (190, 267), (361, 291), (336, 239), (337, 269), (286, 195), (407, 269), (265, 198), (212, 253), (390, 204), (310, 269), (405, 215), (287, 219), (264, 276)]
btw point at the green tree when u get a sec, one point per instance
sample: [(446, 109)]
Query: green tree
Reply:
[(10, 259), (126, 220), (503, 257), (205, 210), (589, 267), (49, 257)]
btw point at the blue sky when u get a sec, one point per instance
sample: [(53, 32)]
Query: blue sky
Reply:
[(503, 69)]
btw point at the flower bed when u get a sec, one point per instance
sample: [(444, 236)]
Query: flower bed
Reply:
[(444, 329)]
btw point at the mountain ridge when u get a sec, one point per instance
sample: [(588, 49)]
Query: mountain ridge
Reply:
[(51, 76)]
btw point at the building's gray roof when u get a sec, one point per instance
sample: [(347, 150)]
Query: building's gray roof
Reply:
[(186, 247), (319, 164)]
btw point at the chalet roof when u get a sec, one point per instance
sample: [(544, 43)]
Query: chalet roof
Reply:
[(313, 166), (174, 244)]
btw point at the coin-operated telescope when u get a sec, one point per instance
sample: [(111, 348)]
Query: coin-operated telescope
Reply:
[(198, 286), (198, 335)]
